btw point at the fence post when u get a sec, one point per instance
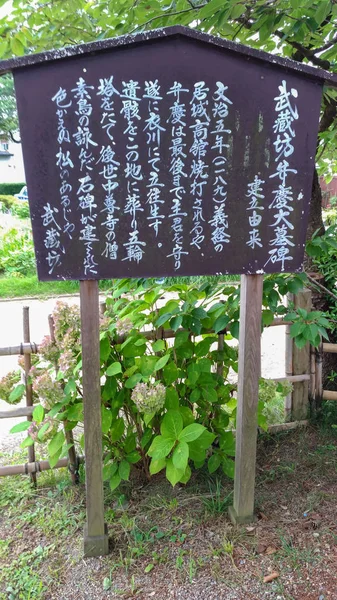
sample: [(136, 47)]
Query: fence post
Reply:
[(29, 387), (96, 540), (301, 365), (251, 287), (289, 363)]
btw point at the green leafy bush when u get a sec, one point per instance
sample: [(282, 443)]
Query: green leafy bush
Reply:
[(17, 253), (168, 404), (21, 209), (330, 216), (9, 189), (8, 202)]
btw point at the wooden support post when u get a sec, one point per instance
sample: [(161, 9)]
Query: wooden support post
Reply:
[(29, 387), (242, 510), (95, 534), (301, 365), (289, 364), (319, 376)]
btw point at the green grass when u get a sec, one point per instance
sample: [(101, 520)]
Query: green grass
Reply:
[(18, 287)]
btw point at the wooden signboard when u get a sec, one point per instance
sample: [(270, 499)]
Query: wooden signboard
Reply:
[(167, 156), (161, 154)]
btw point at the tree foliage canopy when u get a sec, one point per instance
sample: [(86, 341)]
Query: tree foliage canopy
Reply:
[(304, 30)]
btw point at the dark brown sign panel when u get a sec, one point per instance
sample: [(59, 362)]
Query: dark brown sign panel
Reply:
[(172, 156)]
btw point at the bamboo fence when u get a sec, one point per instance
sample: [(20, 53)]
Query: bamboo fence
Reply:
[(303, 368)]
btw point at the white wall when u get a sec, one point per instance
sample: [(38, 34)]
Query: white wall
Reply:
[(12, 169)]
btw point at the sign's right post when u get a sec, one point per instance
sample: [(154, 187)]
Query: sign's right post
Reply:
[(242, 510)]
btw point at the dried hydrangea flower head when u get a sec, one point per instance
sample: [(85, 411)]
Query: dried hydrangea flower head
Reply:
[(7, 383), (124, 326), (48, 391), (49, 350), (149, 398)]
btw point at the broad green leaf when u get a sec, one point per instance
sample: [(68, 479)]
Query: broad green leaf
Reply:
[(56, 443), (162, 362), (113, 369), (109, 470), (106, 419), (104, 349), (75, 412), (191, 432), (172, 399), (20, 427), (114, 481), (133, 380), (228, 467), (117, 430), (147, 436), (220, 323), (206, 439), (42, 431), (160, 447), (53, 460), (17, 47), (227, 443), (187, 475), (17, 393), (214, 463), (172, 473), (171, 425), (209, 394), (157, 465), (180, 455), (210, 8), (38, 413), (163, 319), (170, 373), (148, 418), (70, 388), (187, 415), (158, 346), (124, 470), (176, 322), (323, 9), (133, 457)]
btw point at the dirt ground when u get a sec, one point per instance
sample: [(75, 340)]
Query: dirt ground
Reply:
[(179, 543)]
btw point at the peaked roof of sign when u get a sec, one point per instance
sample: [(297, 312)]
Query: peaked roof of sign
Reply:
[(167, 32)]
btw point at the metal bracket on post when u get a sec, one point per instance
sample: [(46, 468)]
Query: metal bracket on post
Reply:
[(242, 510), (96, 542)]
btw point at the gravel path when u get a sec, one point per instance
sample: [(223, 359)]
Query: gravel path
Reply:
[(273, 344)]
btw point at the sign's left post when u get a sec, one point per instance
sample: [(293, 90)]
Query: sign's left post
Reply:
[(95, 534)]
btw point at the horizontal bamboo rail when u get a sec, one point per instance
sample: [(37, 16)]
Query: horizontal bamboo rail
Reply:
[(331, 348), (160, 333), (35, 467), (328, 395), (293, 378), (22, 411), (24, 348)]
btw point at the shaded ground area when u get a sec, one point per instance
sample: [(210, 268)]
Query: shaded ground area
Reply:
[(178, 543)]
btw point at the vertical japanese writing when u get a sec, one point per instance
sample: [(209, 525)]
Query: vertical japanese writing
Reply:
[(255, 195), (177, 120), (50, 216), (109, 166), (86, 199), (283, 127), (154, 129), (133, 170), (199, 169), (219, 220)]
